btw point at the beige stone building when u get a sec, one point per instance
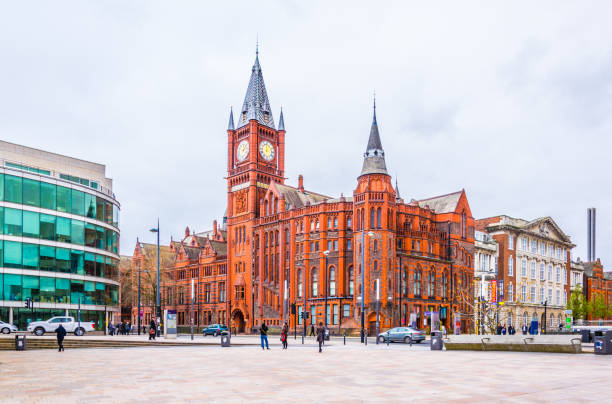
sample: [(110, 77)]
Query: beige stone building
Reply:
[(533, 269)]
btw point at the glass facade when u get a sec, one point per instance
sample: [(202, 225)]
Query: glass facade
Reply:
[(75, 234)]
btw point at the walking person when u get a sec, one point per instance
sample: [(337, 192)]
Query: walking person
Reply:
[(263, 334), (61, 333), (284, 333), (152, 330), (320, 336), (312, 330)]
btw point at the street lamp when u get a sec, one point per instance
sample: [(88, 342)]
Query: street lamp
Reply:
[(157, 306), (325, 253), (138, 314), (363, 283), (544, 322)]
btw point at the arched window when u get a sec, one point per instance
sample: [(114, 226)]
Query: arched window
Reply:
[(432, 283), (372, 223), (351, 284), (378, 219), (275, 205), (336, 223), (559, 320), (510, 319), (267, 207), (525, 318), (315, 282), (417, 282), (463, 224), (404, 276), (299, 276), (332, 281), (552, 320), (312, 224), (375, 245), (510, 292), (375, 265), (317, 225)]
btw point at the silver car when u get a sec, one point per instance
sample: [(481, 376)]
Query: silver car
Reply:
[(7, 328), (402, 334)]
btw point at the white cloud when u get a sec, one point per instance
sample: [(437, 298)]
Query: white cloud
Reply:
[(509, 101)]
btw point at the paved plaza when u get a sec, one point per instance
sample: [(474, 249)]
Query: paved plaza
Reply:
[(351, 373)]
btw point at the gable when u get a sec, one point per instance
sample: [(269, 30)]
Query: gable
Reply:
[(546, 227)]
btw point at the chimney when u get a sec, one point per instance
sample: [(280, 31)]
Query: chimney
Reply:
[(214, 228), (186, 231), (591, 255), (301, 183)]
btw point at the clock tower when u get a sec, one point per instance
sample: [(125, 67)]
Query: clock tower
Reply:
[(255, 158)]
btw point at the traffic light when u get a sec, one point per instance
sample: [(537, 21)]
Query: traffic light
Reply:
[(28, 303)]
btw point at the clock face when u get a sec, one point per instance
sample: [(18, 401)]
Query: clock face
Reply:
[(243, 150), (266, 150)]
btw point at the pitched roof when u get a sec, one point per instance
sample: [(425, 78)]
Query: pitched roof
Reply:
[(374, 157), (256, 104), (297, 199), (219, 247), (443, 203)]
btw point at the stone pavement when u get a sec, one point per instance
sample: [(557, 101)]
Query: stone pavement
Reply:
[(351, 373)]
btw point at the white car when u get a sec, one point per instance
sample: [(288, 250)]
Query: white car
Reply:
[(41, 327), (7, 328)]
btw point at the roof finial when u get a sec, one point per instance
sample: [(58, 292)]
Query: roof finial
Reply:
[(257, 45), (374, 119)]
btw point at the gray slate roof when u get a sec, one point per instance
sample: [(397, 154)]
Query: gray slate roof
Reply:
[(297, 199), (374, 157), (442, 204), (256, 104)]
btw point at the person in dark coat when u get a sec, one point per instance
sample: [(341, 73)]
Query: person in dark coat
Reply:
[(284, 334), (524, 329), (320, 336), (152, 330), (263, 334), (312, 330), (61, 333)]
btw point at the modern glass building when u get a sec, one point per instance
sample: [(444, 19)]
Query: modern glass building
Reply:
[(59, 238)]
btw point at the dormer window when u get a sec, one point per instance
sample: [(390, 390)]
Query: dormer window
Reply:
[(266, 117)]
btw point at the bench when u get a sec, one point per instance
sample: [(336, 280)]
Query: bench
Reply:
[(520, 343)]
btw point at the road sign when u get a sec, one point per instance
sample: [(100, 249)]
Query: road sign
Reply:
[(568, 322), (429, 313), (568, 312)]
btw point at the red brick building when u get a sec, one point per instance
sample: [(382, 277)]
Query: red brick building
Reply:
[(597, 282), (272, 256)]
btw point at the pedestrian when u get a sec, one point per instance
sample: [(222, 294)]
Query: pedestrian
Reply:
[(504, 330), (320, 336), (284, 333), (524, 329), (499, 329), (312, 330), (152, 331), (61, 333), (144, 329), (263, 335), (111, 329), (444, 331), (128, 328)]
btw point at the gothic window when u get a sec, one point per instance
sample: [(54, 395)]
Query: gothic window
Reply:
[(336, 223), (404, 275), (299, 279), (351, 278), (463, 224), (417, 282), (375, 245), (378, 220), (314, 282), (372, 223), (332, 281), (348, 222), (375, 265)]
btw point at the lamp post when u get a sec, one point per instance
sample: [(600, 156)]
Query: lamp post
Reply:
[(157, 307), (326, 253), (377, 309), (544, 322), (363, 284)]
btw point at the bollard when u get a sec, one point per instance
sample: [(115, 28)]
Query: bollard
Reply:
[(302, 339), (410, 339), (366, 338), (344, 337), (388, 338)]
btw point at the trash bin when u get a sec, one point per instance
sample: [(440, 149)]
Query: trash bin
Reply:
[(603, 343), (20, 342), (436, 341), (585, 336), (225, 339), (327, 334)]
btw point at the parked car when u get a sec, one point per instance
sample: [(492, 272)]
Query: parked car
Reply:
[(214, 330), (7, 328), (402, 334), (41, 327)]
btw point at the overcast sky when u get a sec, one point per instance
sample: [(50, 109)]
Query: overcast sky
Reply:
[(510, 101)]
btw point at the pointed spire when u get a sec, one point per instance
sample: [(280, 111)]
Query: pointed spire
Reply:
[(230, 125), (374, 157), (281, 121), (397, 193), (256, 104)]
